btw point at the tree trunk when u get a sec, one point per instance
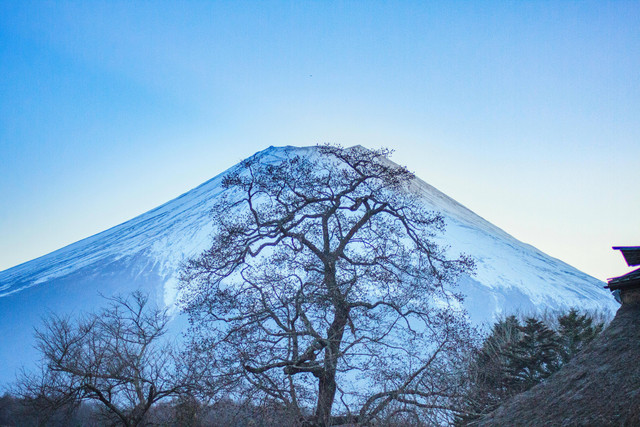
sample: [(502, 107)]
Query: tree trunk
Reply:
[(327, 381), (326, 395)]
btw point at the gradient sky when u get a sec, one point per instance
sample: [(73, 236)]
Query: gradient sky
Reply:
[(528, 113)]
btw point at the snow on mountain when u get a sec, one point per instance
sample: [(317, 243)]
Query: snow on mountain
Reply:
[(147, 251)]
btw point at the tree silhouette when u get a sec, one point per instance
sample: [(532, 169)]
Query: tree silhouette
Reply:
[(116, 357), (576, 331), (323, 284)]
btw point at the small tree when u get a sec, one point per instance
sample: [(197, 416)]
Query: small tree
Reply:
[(323, 285), (116, 357), (489, 382), (534, 357), (576, 331)]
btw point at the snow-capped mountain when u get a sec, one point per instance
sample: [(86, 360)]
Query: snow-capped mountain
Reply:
[(146, 253)]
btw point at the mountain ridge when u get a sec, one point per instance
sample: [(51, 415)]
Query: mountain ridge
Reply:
[(146, 253)]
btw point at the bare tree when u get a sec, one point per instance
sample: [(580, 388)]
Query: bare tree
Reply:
[(323, 287), (117, 357)]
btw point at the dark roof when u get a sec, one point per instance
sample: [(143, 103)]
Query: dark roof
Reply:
[(598, 387), (631, 254), (628, 281)]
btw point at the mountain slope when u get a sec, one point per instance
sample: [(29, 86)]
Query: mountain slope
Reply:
[(146, 253)]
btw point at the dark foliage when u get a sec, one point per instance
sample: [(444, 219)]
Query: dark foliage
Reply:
[(517, 355), (533, 357), (17, 412), (599, 386), (179, 412), (576, 331)]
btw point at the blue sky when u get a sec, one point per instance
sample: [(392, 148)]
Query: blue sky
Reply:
[(528, 113)]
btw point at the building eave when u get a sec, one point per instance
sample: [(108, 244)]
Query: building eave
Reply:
[(631, 254)]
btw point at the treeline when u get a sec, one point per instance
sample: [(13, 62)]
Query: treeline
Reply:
[(112, 368), (179, 412)]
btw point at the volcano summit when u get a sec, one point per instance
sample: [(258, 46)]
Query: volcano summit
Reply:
[(147, 252)]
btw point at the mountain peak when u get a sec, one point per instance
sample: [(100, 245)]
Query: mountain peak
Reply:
[(146, 253)]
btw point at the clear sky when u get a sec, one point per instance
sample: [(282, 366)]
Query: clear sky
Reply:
[(526, 112)]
